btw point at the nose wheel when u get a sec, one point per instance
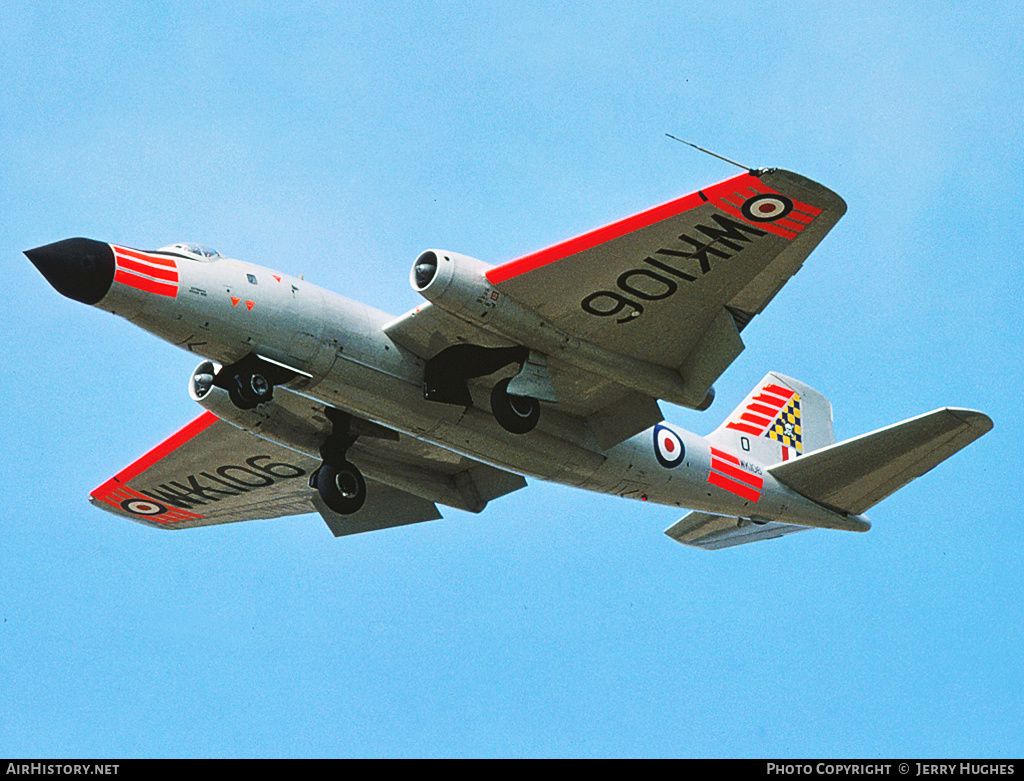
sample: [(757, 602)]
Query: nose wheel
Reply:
[(250, 380), (248, 389)]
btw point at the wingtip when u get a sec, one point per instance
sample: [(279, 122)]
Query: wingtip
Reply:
[(974, 418)]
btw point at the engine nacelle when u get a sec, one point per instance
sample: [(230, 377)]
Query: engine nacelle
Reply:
[(201, 386), (453, 282)]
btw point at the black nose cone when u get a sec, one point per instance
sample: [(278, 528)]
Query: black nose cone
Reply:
[(81, 269)]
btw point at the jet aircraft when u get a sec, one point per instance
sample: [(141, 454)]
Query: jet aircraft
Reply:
[(550, 366)]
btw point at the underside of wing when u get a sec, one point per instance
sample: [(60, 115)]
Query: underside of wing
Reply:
[(650, 307), (652, 285), (209, 472), (213, 471)]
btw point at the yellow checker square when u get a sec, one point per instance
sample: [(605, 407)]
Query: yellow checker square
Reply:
[(786, 428)]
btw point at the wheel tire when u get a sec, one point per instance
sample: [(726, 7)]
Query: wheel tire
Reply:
[(260, 388), (250, 389), (516, 414), (239, 399), (341, 486)]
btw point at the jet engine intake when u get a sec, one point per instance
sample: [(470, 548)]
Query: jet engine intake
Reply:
[(452, 281)]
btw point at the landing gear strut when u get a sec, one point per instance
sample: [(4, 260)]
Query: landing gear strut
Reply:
[(338, 481)]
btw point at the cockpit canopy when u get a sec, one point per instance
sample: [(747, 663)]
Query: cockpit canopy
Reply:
[(194, 251)]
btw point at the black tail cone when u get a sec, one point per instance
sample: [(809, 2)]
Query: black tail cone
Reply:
[(81, 269)]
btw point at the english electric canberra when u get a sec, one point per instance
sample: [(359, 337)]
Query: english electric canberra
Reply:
[(550, 366)]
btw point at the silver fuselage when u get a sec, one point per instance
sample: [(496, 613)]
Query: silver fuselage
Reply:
[(225, 309)]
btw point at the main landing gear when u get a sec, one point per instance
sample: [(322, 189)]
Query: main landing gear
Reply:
[(446, 377), (515, 414), (338, 481)]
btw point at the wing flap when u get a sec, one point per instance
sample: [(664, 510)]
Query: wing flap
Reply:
[(854, 475)]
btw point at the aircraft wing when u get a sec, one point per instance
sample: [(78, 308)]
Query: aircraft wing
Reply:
[(212, 471), (672, 286)]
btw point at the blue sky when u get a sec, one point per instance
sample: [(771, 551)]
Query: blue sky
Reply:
[(338, 140)]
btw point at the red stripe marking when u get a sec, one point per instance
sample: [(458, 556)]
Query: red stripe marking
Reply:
[(160, 272), (738, 474), (169, 445), (609, 232), (798, 216), (741, 490), (132, 253), (778, 230), (788, 224), (755, 419), (148, 285), (778, 390), (123, 492), (771, 227), (771, 412), (806, 208), (717, 453), (745, 428)]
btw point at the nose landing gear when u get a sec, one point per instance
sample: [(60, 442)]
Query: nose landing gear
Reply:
[(248, 389), (251, 380)]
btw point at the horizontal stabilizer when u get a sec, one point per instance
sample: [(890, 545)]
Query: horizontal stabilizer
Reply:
[(854, 475), (712, 532)]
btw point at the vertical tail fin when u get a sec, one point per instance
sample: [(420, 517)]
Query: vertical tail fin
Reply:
[(780, 419)]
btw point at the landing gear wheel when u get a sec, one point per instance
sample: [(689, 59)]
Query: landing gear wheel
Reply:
[(516, 414), (249, 389), (341, 486)]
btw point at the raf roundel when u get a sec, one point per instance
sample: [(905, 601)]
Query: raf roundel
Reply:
[(143, 507), (766, 208), (668, 447)]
